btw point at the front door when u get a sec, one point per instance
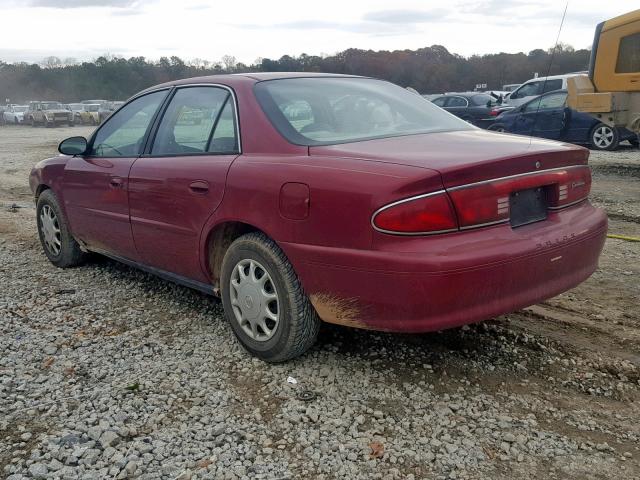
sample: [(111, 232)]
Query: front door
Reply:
[(179, 182), (95, 185)]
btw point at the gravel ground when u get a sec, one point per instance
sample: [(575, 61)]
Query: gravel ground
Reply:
[(107, 372)]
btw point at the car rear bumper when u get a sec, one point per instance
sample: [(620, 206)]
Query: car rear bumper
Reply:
[(449, 280)]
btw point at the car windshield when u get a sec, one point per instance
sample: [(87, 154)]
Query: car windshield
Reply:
[(20, 109), (330, 110), (52, 106), (75, 106), (92, 108)]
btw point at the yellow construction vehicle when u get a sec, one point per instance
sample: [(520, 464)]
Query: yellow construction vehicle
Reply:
[(611, 91)]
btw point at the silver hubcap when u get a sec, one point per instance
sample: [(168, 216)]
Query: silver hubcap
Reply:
[(254, 300), (50, 229), (603, 136)]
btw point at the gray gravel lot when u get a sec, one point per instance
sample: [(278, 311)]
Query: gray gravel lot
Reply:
[(108, 372)]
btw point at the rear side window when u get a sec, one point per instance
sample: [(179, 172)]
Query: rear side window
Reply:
[(629, 54), (482, 100), (457, 102), (188, 123)]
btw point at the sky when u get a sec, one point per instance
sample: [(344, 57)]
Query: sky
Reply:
[(249, 29)]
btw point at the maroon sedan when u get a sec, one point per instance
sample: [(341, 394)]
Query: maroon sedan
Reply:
[(302, 198)]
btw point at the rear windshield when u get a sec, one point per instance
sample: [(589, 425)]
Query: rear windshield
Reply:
[(330, 110)]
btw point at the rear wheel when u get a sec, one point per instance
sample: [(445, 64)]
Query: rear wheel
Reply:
[(58, 244), (604, 137), (264, 301)]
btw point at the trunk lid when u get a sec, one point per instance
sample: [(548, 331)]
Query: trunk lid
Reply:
[(464, 157)]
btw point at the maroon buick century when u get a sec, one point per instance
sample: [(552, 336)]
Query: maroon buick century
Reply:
[(301, 198)]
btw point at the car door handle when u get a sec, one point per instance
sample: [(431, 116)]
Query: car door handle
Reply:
[(199, 186), (116, 182)]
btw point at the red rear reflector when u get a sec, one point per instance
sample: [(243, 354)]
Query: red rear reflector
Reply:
[(431, 213)]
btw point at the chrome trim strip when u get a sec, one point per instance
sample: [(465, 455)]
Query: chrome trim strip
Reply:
[(468, 185), (405, 200), (478, 225), (568, 204)]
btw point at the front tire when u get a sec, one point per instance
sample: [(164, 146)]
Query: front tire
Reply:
[(604, 137), (496, 127), (264, 302), (53, 229)]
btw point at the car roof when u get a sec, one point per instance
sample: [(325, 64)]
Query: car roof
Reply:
[(556, 77), (463, 94), (237, 78)]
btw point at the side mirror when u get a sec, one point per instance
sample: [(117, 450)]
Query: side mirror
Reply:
[(73, 146)]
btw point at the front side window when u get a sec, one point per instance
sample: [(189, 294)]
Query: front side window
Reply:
[(527, 90), (189, 120), (547, 102), (440, 101), (123, 134), (330, 110), (551, 85), (629, 54)]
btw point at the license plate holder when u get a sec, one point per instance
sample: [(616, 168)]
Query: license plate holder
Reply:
[(527, 206)]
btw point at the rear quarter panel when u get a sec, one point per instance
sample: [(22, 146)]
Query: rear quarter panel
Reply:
[(343, 194)]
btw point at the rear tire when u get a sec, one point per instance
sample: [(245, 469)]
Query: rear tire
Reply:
[(264, 302), (604, 137), (496, 127), (53, 229)]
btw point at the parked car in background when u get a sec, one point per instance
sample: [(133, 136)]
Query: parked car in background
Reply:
[(75, 109), (106, 107), (537, 86), (14, 114), (48, 113), (91, 114), (549, 117), (510, 87), (301, 197), (472, 107)]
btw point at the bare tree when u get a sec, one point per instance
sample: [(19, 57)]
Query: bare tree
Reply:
[(229, 62), (51, 62)]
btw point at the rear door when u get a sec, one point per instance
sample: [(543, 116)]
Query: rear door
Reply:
[(458, 106), (95, 185), (179, 182)]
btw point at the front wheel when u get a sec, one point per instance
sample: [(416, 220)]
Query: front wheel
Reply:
[(59, 245), (496, 127), (604, 137), (264, 301)]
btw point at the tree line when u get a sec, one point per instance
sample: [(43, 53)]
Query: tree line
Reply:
[(429, 70)]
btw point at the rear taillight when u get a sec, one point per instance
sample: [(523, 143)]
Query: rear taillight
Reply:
[(486, 203), (494, 113), (425, 214), (482, 203)]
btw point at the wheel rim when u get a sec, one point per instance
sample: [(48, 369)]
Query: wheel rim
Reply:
[(50, 229), (254, 300), (499, 129), (603, 136)]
